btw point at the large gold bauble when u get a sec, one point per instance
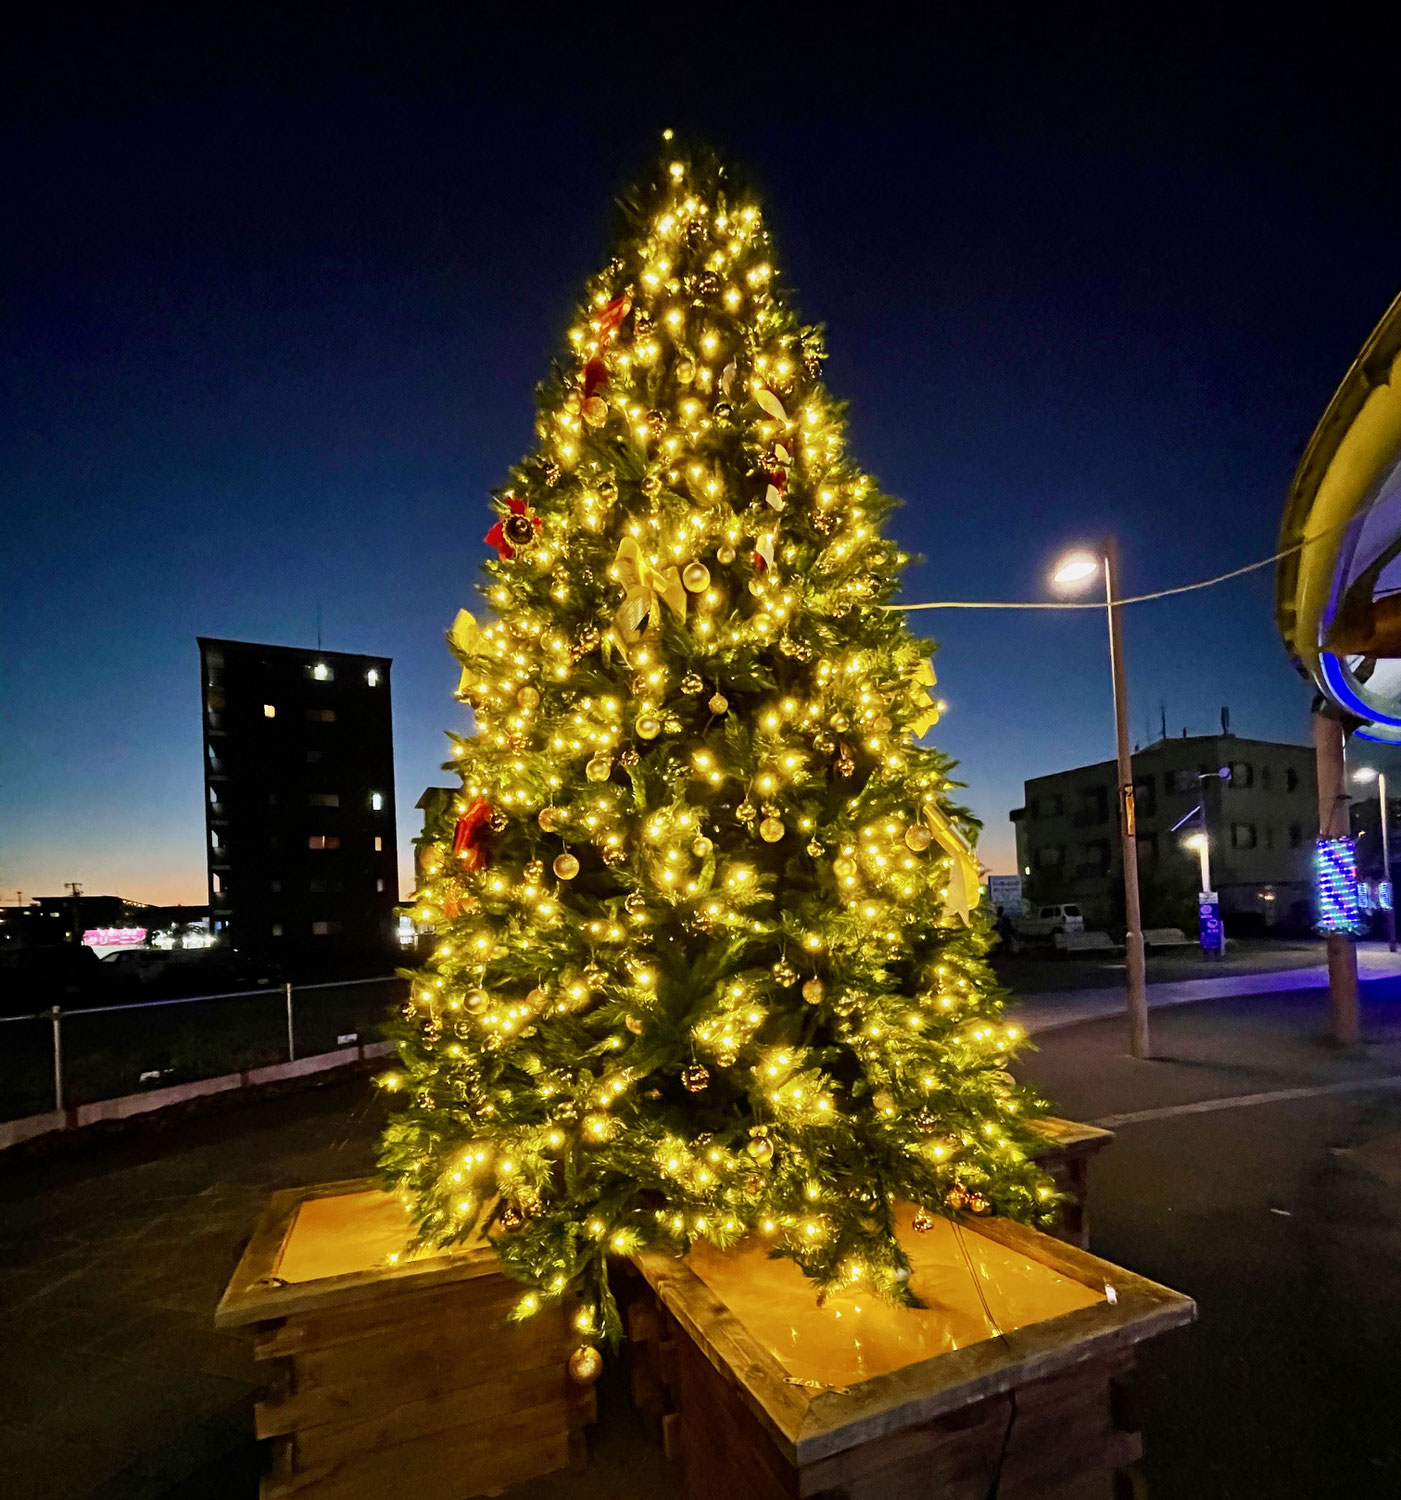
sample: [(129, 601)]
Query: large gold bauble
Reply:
[(599, 768), (585, 1365), (528, 698), (917, 837), (477, 1001), (696, 577), (771, 830), (814, 990), (718, 704), (702, 847), (648, 726), (843, 867), (761, 1149), (566, 866), (840, 722), (725, 555), (551, 820), (595, 411)]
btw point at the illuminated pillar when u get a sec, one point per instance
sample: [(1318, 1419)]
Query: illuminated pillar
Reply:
[(1334, 824)]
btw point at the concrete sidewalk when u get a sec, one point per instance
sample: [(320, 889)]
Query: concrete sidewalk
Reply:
[(1047, 1011)]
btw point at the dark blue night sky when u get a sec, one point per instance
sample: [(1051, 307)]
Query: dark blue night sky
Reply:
[(276, 313)]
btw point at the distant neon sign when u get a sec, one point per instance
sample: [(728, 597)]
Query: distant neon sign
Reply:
[(114, 937)]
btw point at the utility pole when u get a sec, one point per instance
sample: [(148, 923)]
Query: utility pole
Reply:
[(76, 932), (1333, 823)]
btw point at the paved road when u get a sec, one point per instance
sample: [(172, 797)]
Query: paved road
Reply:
[(1280, 1214)]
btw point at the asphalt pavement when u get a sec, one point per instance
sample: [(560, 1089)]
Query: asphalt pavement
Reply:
[(1254, 1168)]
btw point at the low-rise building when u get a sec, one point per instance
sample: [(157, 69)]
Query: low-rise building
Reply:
[(1261, 820)]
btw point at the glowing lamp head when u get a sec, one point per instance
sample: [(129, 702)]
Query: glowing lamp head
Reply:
[(1196, 842), (1365, 773), (1074, 571)]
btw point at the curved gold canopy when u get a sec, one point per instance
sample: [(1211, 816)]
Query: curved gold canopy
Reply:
[(1338, 599)]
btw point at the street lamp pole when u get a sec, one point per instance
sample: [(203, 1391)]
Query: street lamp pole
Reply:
[(1137, 992), (1386, 863)]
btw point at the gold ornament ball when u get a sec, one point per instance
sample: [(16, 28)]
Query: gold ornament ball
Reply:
[(585, 1365), (695, 1078), (511, 1218), (882, 724), (702, 847), (599, 768), (634, 1025), (528, 698), (771, 830), (814, 848), (784, 972), (566, 866), (840, 722), (551, 820), (814, 990), (692, 683), (760, 1149), (477, 1001), (649, 726), (718, 704), (725, 555), (595, 411), (917, 837), (956, 1198), (884, 1101), (843, 867), (536, 998), (696, 577), (685, 371), (978, 1204)]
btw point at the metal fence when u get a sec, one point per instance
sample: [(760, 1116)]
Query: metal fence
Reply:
[(63, 1057)]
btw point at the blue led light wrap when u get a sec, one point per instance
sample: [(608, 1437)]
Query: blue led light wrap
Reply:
[(1335, 875)]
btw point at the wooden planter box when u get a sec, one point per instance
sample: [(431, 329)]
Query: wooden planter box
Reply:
[(1018, 1392), (404, 1380), (1066, 1156)]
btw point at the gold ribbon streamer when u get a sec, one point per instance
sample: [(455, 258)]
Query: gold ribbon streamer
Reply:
[(465, 639), (924, 680), (646, 589), (964, 887)]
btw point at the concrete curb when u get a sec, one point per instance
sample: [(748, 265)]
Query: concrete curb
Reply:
[(131, 1106)]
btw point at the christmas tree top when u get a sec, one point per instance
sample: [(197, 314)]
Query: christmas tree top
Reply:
[(708, 958)]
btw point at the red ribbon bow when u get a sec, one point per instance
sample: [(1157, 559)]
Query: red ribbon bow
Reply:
[(469, 839), (496, 537)]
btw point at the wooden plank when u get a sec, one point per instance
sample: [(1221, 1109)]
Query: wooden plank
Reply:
[(250, 1278), (399, 1307), (477, 1407), (333, 1385), (438, 1466)]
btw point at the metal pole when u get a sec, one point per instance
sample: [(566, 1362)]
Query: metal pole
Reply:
[(1330, 763), (56, 1019), (1136, 987), (291, 1035), (1386, 863)]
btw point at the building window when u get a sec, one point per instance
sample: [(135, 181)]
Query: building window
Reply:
[(277, 929), (323, 799), (372, 677), (275, 886), (379, 884), (321, 715), (1145, 797), (1296, 834), (1094, 859), (320, 672), (1264, 778), (323, 841), (376, 801), (1242, 774), (325, 887), (325, 929), (219, 885), (379, 844), (1243, 836), (313, 757), (1049, 856), (1291, 779), (269, 710), (1180, 781)]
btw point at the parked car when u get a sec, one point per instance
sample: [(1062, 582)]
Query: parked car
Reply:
[(1045, 922), (33, 979)]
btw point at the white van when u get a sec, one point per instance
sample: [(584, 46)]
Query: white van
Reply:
[(1047, 921)]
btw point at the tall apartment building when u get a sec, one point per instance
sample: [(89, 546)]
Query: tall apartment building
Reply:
[(299, 802), (1261, 821)]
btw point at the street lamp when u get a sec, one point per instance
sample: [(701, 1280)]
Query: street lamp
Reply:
[(1201, 847), (1072, 574), (1370, 773)]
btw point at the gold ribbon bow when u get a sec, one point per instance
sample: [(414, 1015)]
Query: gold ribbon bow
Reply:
[(924, 680), (646, 588), (964, 888), (465, 639)]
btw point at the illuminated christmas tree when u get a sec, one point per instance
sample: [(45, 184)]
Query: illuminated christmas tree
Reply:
[(708, 962)]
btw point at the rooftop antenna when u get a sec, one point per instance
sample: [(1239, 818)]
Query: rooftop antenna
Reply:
[(1225, 719), (318, 624), (1162, 710)]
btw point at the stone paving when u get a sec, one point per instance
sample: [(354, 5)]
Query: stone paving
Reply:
[(1282, 1218)]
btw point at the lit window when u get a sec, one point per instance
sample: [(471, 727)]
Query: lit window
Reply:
[(269, 710), (323, 841), (372, 677), (379, 884), (321, 672), (277, 929), (324, 799), (325, 929), (379, 843), (376, 801)]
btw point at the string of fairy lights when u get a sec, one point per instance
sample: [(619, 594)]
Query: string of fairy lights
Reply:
[(707, 962)]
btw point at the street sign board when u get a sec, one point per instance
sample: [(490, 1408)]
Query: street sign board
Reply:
[(1006, 891), (1211, 931)]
